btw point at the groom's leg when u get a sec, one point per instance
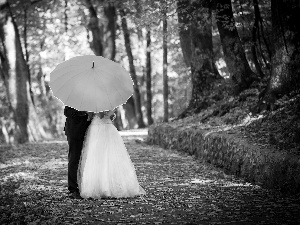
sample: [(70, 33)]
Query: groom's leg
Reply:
[(75, 147)]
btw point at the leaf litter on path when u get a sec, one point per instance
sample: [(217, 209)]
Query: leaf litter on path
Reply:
[(180, 190)]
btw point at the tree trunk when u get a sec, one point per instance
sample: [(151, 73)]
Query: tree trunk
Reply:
[(285, 72), (148, 78), (255, 36), (96, 44), (42, 87), (109, 31), (104, 36), (15, 73), (235, 58), (137, 96), (203, 73), (27, 55), (183, 12), (165, 67), (41, 77), (141, 50), (129, 116), (4, 136), (108, 27), (139, 11)]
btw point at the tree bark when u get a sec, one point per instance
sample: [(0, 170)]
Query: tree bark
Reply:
[(97, 43), (109, 31), (165, 67), (255, 36), (285, 72), (13, 69), (137, 96), (183, 12), (41, 77), (235, 58), (141, 53), (27, 55), (203, 73), (103, 44), (139, 11), (148, 78), (129, 119)]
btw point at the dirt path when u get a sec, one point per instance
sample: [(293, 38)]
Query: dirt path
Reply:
[(180, 190)]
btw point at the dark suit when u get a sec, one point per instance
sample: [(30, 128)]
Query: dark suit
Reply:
[(75, 128)]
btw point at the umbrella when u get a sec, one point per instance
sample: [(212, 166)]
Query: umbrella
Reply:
[(91, 83)]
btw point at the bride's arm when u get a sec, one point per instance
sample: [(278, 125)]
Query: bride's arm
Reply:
[(111, 114), (113, 117)]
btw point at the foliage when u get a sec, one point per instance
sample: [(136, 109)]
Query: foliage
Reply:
[(56, 32), (177, 70), (279, 128), (261, 148)]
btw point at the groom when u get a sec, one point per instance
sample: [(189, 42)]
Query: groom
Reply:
[(76, 125)]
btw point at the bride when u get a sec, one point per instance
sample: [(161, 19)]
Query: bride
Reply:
[(105, 168)]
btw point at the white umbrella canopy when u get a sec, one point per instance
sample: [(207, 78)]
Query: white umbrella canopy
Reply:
[(91, 83)]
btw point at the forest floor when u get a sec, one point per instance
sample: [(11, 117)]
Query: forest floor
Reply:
[(276, 129), (180, 190)]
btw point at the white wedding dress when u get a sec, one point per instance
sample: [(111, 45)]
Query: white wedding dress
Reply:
[(105, 168)]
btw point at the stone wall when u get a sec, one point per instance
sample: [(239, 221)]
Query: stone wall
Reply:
[(268, 168)]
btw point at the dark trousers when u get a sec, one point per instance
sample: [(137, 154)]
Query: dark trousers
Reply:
[(75, 148)]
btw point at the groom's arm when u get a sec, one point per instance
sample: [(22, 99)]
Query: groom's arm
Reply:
[(71, 112)]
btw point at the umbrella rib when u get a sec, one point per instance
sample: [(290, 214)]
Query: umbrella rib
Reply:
[(107, 94), (88, 75), (95, 94), (83, 96), (120, 82), (119, 94), (81, 101), (108, 97), (65, 73), (72, 74), (63, 84), (71, 92)]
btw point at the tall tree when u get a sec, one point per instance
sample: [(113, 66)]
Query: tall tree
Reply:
[(108, 25), (137, 95), (165, 65), (108, 28), (26, 52), (257, 35), (140, 50), (148, 78), (203, 71), (129, 108), (285, 72), (103, 44), (41, 77), (183, 12), (234, 54), (14, 71), (94, 26)]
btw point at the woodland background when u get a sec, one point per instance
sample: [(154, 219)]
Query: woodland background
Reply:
[(235, 58)]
